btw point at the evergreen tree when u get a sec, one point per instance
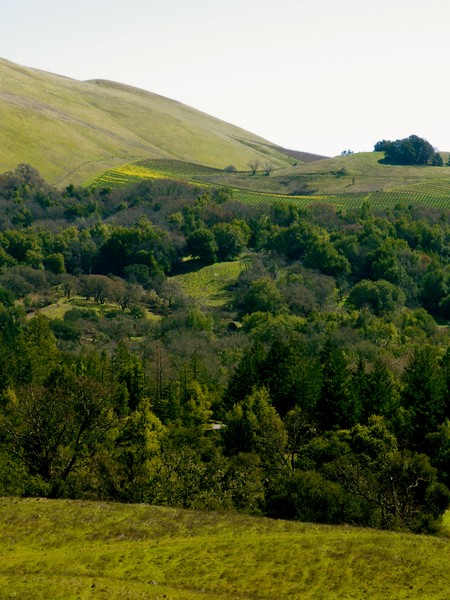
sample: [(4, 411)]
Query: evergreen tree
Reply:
[(422, 396), (248, 374), (253, 425), (373, 390), (291, 377), (336, 407)]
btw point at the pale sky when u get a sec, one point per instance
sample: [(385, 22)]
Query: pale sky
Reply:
[(313, 75)]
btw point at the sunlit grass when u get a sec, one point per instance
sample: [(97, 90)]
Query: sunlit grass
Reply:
[(68, 549), (61, 305), (72, 131), (208, 285)]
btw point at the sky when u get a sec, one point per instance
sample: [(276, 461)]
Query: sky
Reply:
[(319, 76)]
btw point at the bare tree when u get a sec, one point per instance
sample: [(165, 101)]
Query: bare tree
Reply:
[(254, 166), (268, 168)]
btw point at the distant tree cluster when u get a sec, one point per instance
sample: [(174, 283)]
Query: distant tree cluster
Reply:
[(412, 150)]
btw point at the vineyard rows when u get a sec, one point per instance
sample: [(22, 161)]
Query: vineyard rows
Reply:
[(439, 188), (436, 194), (255, 198), (178, 168)]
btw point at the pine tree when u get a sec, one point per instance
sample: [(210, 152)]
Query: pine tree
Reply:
[(423, 395), (335, 407)]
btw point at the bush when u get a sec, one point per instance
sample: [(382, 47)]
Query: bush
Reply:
[(308, 496), (65, 330)]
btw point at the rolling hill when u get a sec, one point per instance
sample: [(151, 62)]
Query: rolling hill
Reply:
[(71, 130), (102, 132)]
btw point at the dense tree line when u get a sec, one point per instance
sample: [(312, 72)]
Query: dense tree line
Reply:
[(320, 392), (412, 150)]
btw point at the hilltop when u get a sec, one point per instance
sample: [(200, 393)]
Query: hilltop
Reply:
[(72, 130)]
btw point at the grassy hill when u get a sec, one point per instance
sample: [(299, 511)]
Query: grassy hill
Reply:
[(72, 549), (360, 172), (71, 130)]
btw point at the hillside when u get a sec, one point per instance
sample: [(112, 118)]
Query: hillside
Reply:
[(362, 172), (67, 549), (352, 174), (344, 181), (71, 130)]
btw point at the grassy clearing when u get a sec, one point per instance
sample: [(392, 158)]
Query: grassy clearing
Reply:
[(70, 549), (209, 285), (60, 305)]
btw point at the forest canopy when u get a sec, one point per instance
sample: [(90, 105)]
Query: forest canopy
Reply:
[(315, 385)]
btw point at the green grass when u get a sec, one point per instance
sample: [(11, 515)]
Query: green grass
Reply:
[(71, 130), (59, 305), (209, 284), (361, 172), (75, 131), (358, 173), (67, 550)]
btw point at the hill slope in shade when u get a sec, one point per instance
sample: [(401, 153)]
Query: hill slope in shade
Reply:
[(71, 130)]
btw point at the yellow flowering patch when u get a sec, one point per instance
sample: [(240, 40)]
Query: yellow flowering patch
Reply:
[(132, 173)]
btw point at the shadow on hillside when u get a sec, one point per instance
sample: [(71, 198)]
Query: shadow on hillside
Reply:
[(191, 265)]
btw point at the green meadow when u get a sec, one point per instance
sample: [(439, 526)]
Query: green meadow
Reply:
[(67, 550)]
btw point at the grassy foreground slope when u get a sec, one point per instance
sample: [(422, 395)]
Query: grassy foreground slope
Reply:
[(71, 130), (70, 549)]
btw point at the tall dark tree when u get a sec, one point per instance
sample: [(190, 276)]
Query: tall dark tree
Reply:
[(248, 374), (292, 377), (201, 244), (422, 396), (373, 390), (335, 407)]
